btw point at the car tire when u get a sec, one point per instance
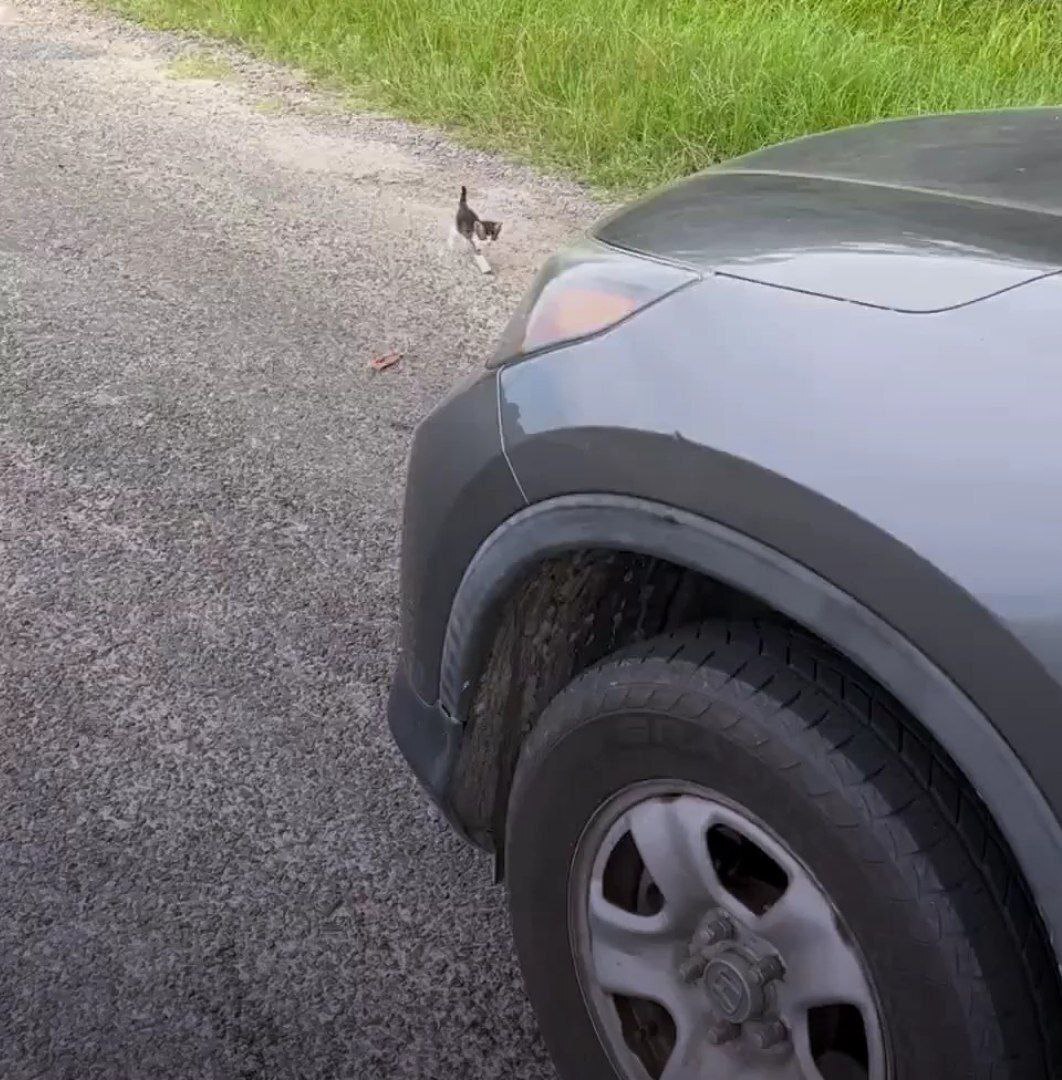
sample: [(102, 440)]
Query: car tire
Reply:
[(783, 730)]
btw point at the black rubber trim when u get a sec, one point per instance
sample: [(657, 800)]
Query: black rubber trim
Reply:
[(637, 525)]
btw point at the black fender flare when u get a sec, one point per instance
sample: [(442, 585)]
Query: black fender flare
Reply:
[(640, 526)]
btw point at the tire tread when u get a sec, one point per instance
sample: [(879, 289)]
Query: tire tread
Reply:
[(960, 870)]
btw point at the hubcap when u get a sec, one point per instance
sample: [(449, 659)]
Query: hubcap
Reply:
[(706, 949)]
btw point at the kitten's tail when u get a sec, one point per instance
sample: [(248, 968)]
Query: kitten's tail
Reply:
[(464, 194)]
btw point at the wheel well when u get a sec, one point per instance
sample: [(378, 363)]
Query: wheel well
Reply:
[(563, 616), (622, 568), (566, 614)]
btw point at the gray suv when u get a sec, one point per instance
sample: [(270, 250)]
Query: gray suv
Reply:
[(732, 616)]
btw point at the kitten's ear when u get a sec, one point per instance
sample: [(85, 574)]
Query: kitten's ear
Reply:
[(497, 229), (464, 193)]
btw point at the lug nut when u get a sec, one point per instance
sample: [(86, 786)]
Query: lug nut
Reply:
[(767, 1034), (721, 1031), (716, 927), (766, 970), (692, 967)]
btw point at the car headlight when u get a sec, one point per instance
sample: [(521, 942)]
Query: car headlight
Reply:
[(582, 291)]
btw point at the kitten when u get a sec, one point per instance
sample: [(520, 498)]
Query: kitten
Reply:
[(470, 226)]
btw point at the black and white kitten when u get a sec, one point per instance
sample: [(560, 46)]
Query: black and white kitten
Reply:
[(470, 226)]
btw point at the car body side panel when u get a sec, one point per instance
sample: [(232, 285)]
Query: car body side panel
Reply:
[(910, 460)]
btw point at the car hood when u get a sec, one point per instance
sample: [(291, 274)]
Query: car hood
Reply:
[(915, 215)]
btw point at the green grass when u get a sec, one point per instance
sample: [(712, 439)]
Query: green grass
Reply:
[(629, 92)]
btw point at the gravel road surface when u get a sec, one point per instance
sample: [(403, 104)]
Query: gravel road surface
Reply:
[(212, 861)]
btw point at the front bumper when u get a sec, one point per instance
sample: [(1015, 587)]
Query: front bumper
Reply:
[(459, 488)]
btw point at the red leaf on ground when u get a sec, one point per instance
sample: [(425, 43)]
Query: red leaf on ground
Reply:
[(382, 363)]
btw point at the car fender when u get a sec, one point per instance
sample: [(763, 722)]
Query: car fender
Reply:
[(886, 654)]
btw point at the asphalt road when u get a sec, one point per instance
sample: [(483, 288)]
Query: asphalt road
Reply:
[(212, 861)]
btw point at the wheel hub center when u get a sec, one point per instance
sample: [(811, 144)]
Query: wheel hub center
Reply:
[(731, 986)]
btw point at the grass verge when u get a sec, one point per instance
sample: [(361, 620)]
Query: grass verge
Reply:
[(625, 93)]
